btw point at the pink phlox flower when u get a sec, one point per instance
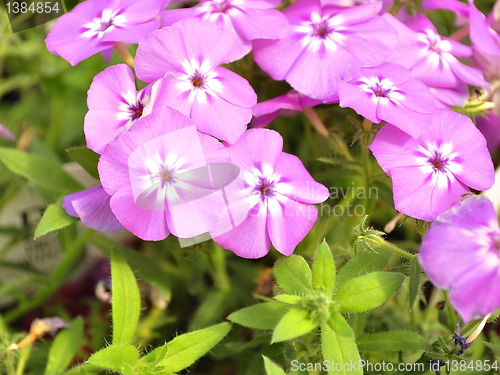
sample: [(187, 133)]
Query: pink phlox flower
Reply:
[(386, 4), (484, 31), (489, 126), (460, 253), (279, 193), (432, 57), (114, 105), (246, 19), (92, 206), (95, 25), (288, 104), (389, 93), (456, 6), (431, 173), (158, 178), (326, 43), (185, 58)]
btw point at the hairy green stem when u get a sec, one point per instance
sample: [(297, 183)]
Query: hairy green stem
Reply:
[(218, 258), (389, 246)]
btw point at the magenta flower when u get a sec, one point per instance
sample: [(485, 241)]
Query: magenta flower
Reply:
[(431, 173), (95, 25), (430, 56), (456, 6), (288, 104), (484, 37), (114, 105), (489, 126), (389, 93), (245, 19), (92, 206), (460, 253), (150, 173), (324, 44), (449, 98), (6, 133), (279, 194), (219, 101)]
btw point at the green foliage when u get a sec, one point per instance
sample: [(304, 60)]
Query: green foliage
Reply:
[(40, 170), (367, 292), (272, 368), (339, 349), (339, 325), (54, 218), (260, 316), (117, 357), (295, 323), (64, 348), (392, 341), (87, 158), (415, 271), (323, 270), (126, 299), (293, 274)]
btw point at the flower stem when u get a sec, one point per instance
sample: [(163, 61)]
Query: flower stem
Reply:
[(389, 246), (460, 34), (316, 121), (451, 312), (25, 353), (124, 54), (367, 125), (221, 277)]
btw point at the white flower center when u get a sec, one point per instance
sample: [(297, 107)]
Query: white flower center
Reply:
[(131, 107), (106, 22), (382, 90)]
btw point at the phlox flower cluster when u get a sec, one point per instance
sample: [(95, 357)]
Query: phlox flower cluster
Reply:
[(164, 170)]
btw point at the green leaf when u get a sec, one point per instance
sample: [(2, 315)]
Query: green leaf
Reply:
[(87, 158), (392, 341), (144, 268), (492, 346), (293, 274), (323, 269), (156, 356), (186, 349), (272, 368), (414, 280), (83, 369), (211, 310), (367, 292), (54, 218), (338, 349), (125, 299), (295, 323), (116, 357), (339, 325), (40, 170), (363, 263), (260, 316), (64, 348), (290, 299)]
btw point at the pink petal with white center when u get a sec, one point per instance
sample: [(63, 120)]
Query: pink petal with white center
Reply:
[(131, 33), (417, 96), (289, 222), (466, 73), (250, 151), (171, 16), (296, 183), (481, 34), (408, 120), (364, 103), (285, 101), (448, 98), (435, 71), (425, 195), (259, 23), (355, 14), (469, 145), (250, 239), (100, 129), (139, 11), (235, 89), (148, 225), (109, 87), (454, 5), (262, 4), (92, 206)]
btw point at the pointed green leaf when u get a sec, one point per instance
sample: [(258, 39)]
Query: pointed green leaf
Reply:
[(367, 292), (392, 341), (54, 218), (125, 299), (272, 368), (363, 263), (339, 349), (116, 357), (83, 369), (295, 323), (42, 171), (260, 316), (323, 269), (290, 299), (156, 356), (186, 349), (87, 158), (493, 346), (293, 274), (340, 325), (414, 281), (64, 348)]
